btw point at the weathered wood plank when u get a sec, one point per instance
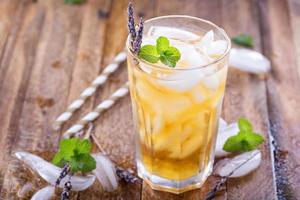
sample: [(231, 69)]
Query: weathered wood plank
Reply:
[(283, 88), (246, 96), (89, 54), (10, 17), (294, 15), (50, 32), (114, 130), (12, 89)]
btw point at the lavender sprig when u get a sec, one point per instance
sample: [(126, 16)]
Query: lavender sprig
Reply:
[(135, 35), (216, 188), (131, 26), (65, 195), (65, 171), (138, 40), (126, 175)]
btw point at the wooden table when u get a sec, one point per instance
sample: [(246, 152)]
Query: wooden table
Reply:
[(49, 52)]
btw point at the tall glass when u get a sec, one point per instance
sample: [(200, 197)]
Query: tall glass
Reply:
[(176, 111)]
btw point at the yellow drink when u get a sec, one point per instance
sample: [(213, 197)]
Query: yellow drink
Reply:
[(176, 111)]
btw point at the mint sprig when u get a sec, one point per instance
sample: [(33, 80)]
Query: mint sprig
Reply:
[(74, 1), (245, 140), (163, 52), (243, 40), (76, 153)]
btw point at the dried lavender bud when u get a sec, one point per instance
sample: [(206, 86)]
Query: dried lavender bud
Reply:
[(126, 175), (131, 26), (102, 14), (138, 40), (65, 195), (63, 174), (216, 188)]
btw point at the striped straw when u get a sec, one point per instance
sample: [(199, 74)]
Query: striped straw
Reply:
[(100, 80), (104, 105)]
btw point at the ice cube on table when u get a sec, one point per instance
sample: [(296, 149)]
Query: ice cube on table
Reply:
[(249, 61), (222, 124), (240, 165), (225, 131), (171, 32)]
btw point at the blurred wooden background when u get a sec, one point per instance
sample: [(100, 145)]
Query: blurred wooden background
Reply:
[(50, 51)]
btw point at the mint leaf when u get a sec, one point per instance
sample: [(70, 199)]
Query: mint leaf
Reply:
[(59, 160), (162, 44), (233, 144), (245, 140), (76, 153), (163, 52), (243, 40), (149, 53), (84, 146), (74, 1), (83, 163), (175, 53), (251, 141), (66, 151), (170, 57), (244, 125), (167, 61)]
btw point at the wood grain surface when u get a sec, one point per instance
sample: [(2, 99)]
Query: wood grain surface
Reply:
[(50, 52)]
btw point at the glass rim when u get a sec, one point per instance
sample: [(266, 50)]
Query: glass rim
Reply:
[(224, 34)]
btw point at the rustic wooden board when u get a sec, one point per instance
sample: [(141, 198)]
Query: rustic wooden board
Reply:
[(49, 52), (246, 96), (12, 23), (283, 87), (41, 88)]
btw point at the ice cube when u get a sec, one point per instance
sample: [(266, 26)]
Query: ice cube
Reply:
[(158, 123), (213, 78), (171, 32), (182, 81), (149, 40), (225, 131), (190, 57), (249, 61), (185, 79), (240, 165), (197, 96), (222, 124), (217, 47), (210, 47), (207, 39)]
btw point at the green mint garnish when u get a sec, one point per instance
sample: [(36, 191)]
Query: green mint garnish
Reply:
[(245, 140), (149, 53), (76, 153), (167, 54), (243, 40), (74, 1)]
